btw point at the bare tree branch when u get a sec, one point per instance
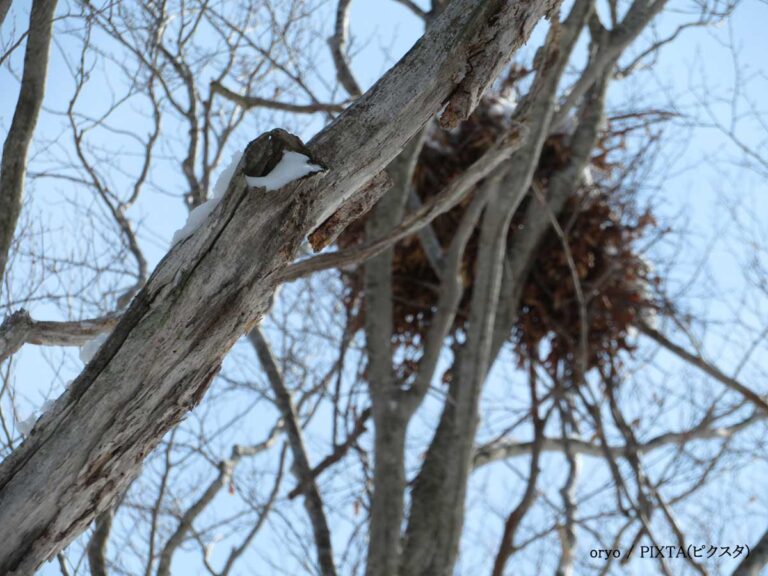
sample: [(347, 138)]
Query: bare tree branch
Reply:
[(16, 146), (506, 547), (247, 102), (338, 43), (5, 5), (19, 329), (97, 546), (339, 451), (226, 469), (413, 7), (704, 366), (502, 450)]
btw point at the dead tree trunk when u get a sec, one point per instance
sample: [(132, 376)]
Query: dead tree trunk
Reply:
[(213, 287)]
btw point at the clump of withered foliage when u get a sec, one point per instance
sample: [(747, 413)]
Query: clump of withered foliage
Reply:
[(604, 228)]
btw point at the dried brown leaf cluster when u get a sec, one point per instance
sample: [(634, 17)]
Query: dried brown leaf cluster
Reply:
[(602, 228)]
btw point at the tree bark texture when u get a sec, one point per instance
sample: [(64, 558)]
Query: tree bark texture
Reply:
[(214, 286)]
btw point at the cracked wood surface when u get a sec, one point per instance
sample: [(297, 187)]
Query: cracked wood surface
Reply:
[(213, 287)]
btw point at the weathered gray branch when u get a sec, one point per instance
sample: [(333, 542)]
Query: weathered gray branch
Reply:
[(19, 328), (497, 451), (213, 287), (327, 233), (434, 71)]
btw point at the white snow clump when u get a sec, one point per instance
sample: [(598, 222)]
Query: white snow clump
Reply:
[(25, 426), (89, 349), (503, 105), (196, 217), (200, 213), (222, 182), (292, 166)]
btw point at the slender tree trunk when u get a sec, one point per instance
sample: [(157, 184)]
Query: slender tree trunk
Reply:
[(437, 511), (13, 165), (97, 547), (389, 415), (388, 493)]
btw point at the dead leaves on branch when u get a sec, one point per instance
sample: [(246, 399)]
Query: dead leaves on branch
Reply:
[(603, 226)]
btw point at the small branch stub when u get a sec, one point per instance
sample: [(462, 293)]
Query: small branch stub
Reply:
[(350, 211)]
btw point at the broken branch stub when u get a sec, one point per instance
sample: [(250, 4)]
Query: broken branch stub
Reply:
[(357, 206)]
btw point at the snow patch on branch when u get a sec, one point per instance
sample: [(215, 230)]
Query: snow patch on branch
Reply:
[(25, 426), (195, 219), (89, 349), (222, 182), (292, 166), (200, 213)]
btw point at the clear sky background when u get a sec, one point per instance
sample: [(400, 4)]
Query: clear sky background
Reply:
[(697, 184)]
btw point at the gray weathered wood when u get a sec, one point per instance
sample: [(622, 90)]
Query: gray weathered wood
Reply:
[(214, 286), (19, 328)]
